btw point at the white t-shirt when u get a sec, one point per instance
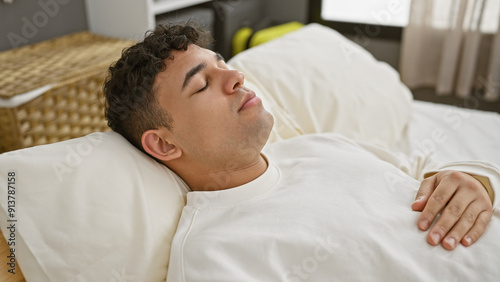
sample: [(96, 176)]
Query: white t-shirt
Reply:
[(326, 209)]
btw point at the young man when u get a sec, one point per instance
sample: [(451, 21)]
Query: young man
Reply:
[(181, 104)]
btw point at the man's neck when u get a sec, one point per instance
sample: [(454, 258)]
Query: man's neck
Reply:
[(213, 180)]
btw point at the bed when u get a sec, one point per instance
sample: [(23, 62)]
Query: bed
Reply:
[(95, 208)]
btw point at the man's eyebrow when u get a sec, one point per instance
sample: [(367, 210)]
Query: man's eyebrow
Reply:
[(192, 72)]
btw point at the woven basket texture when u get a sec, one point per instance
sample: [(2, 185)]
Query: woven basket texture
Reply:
[(76, 65)]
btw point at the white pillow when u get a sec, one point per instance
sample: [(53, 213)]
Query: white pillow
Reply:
[(324, 82), (91, 209)]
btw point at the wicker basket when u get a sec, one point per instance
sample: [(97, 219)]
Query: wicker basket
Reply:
[(76, 66)]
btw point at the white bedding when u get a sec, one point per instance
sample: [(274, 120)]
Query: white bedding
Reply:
[(452, 133)]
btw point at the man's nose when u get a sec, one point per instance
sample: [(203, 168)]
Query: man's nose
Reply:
[(234, 80)]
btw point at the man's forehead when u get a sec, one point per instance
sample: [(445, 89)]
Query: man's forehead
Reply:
[(181, 61), (193, 52)]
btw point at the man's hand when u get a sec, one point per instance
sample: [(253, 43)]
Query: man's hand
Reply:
[(465, 205)]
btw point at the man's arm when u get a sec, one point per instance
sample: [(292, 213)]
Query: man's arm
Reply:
[(465, 204)]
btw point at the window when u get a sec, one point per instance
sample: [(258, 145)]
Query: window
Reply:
[(376, 12)]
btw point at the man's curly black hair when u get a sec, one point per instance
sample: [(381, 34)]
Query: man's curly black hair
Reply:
[(132, 107)]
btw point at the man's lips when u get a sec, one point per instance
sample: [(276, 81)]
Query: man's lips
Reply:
[(249, 99)]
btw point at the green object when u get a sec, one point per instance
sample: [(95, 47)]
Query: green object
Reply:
[(240, 39), (245, 38)]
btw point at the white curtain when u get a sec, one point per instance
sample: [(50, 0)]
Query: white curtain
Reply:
[(454, 46)]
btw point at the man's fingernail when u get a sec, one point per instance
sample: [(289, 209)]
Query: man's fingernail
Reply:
[(451, 242), (424, 224), (435, 238), (468, 240)]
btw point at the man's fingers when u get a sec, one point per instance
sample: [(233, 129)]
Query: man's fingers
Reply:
[(462, 226), (464, 205), (477, 229), (436, 202), (426, 188), (449, 217)]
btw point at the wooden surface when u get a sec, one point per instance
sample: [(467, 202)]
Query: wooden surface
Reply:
[(5, 275)]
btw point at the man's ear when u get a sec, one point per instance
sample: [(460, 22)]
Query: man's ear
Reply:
[(155, 143)]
